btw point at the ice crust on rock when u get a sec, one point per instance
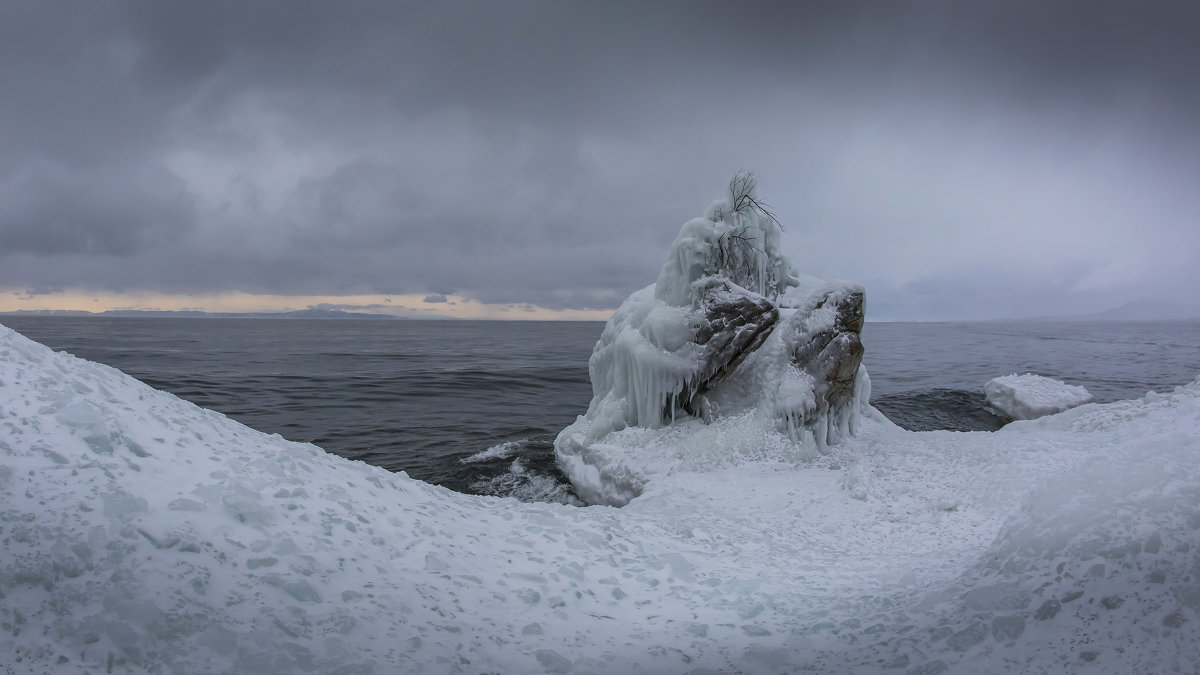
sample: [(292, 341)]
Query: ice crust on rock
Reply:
[(739, 245), (1028, 396), (822, 338), (142, 534), (729, 327)]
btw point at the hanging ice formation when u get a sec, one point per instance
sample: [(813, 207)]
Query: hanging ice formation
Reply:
[(730, 325)]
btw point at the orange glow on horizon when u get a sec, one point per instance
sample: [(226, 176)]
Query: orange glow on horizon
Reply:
[(13, 300)]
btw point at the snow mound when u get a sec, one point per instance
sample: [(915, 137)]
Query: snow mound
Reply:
[(142, 534), (1027, 397)]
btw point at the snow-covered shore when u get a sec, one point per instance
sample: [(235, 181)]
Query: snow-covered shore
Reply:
[(142, 533)]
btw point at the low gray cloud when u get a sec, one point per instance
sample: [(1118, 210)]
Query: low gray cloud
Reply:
[(33, 292), (1019, 157), (434, 297), (51, 209)]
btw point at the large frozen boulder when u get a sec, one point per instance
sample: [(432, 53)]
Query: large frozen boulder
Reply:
[(730, 326)]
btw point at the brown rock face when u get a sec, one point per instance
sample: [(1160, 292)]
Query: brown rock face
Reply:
[(828, 345), (821, 338), (734, 323)]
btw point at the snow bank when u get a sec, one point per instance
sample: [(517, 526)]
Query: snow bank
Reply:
[(1027, 397), (142, 534)]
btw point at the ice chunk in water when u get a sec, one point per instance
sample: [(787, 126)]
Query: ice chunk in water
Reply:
[(1027, 397)]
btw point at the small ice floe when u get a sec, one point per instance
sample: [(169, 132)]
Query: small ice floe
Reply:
[(1028, 396)]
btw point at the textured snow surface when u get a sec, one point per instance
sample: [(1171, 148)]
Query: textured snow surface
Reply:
[(140, 533), (1028, 397)]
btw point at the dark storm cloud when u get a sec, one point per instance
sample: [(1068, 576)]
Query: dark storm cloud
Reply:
[(50, 209), (547, 152)]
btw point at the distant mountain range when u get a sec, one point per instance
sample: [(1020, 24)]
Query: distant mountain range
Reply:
[(296, 314)]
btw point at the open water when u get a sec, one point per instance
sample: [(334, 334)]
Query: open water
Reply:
[(475, 405)]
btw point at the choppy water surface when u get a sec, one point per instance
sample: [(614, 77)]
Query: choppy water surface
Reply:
[(475, 405), (930, 375)]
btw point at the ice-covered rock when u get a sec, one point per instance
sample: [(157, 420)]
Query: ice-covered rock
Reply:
[(735, 239), (822, 338), (1027, 397), (731, 324), (668, 351)]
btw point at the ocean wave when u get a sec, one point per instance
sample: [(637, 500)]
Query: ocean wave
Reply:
[(527, 485), (496, 452)]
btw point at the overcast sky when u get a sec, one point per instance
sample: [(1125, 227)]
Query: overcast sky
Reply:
[(960, 159)]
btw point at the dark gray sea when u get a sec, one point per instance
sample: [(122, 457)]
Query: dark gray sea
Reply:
[(423, 396)]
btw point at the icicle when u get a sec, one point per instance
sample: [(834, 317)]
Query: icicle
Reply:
[(860, 398), (821, 430)]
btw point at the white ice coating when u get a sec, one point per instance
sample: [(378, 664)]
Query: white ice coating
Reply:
[(1028, 396), (645, 356), (742, 246), (798, 325), (643, 359), (142, 534)]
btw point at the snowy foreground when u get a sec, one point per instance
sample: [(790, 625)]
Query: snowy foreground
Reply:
[(140, 533)]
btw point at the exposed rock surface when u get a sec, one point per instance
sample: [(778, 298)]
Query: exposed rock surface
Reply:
[(827, 344), (732, 323)]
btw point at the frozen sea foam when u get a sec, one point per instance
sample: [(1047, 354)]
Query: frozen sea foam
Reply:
[(142, 534), (1027, 397)]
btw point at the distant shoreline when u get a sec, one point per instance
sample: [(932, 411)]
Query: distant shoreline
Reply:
[(305, 315)]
